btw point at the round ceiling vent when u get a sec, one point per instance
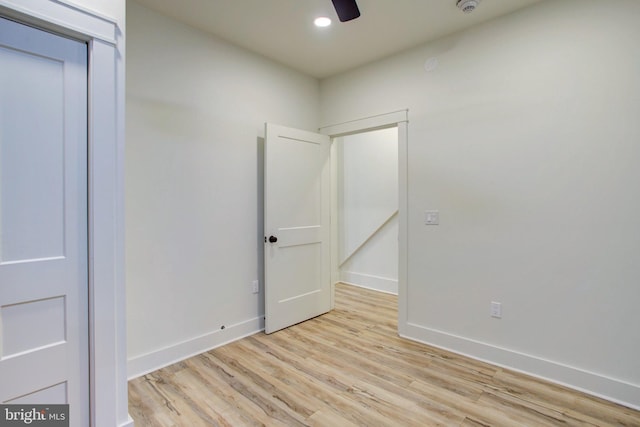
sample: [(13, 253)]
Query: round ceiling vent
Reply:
[(467, 6)]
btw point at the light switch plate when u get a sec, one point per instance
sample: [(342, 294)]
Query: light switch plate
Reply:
[(432, 217), (496, 310)]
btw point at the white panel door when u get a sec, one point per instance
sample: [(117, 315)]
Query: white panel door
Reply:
[(43, 220), (297, 226)]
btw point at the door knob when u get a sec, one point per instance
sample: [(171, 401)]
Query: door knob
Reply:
[(273, 239)]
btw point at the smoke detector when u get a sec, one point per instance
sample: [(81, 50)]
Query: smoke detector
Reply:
[(467, 6)]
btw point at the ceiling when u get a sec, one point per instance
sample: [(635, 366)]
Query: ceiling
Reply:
[(283, 30)]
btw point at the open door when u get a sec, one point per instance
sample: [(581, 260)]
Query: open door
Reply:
[(297, 226)]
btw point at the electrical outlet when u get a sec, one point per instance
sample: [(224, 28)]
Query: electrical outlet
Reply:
[(255, 286), (496, 310)]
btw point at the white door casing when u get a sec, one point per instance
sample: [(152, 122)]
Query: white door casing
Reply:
[(44, 342), (297, 217)]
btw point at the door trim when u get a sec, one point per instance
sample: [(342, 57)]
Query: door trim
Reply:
[(367, 124), (107, 348), (399, 119)]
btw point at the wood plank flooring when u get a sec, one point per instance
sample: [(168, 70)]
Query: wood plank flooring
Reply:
[(349, 368)]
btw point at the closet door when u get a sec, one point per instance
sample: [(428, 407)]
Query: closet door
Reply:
[(44, 343)]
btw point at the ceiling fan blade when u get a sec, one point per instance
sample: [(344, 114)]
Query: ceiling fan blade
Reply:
[(346, 9)]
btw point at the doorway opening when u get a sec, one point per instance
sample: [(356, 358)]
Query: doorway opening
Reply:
[(302, 238), (367, 199), (353, 249)]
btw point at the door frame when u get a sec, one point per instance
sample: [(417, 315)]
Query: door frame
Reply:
[(399, 119), (105, 122)]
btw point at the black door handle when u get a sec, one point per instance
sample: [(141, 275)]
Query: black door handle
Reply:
[(273, 239)]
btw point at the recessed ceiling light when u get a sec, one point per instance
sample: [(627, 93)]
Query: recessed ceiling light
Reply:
[(322, 21)]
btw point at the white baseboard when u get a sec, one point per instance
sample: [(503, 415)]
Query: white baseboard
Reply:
[(128, 423), (598, 385), (368, 281), (143, 364)]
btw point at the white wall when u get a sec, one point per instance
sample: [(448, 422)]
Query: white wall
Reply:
[(196, 108), (527, 140), (367, 209)]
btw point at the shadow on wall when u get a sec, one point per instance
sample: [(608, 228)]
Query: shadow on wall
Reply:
[(260, 219)]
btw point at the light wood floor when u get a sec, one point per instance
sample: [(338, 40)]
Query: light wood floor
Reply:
[(349, 368)]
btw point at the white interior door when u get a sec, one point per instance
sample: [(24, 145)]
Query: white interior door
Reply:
[(43, 220), (297, 226)]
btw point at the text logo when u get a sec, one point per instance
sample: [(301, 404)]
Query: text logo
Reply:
[(34, 415)]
